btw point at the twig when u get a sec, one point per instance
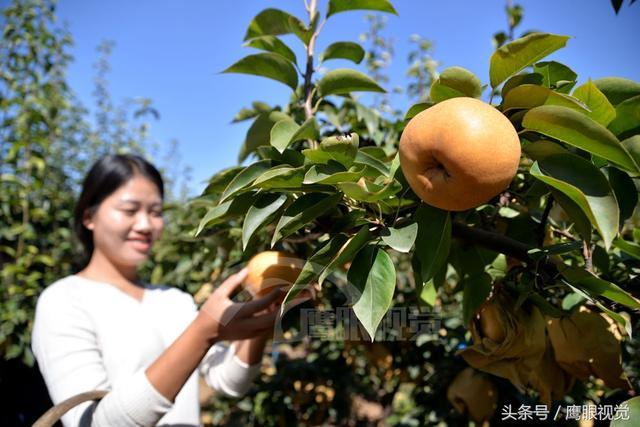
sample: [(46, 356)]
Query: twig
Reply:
[(566, 234), (543, 221), (309, 90), (587, 253)]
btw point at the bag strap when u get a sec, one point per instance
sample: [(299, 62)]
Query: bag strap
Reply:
[(49, 418)]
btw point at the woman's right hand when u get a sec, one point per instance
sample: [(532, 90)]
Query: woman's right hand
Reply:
[(223, 319)]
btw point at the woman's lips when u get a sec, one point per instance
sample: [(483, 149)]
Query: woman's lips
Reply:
[(140, 245)]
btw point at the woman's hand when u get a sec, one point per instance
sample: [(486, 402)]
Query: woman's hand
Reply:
[(223, 319)]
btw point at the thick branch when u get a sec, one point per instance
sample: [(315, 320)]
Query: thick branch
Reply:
[(505, 245), (493, 241)]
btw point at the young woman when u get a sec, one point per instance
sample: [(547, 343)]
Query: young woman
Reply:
[(103, 329)]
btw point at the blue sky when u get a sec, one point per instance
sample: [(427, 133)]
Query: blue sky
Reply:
[(173, 52)]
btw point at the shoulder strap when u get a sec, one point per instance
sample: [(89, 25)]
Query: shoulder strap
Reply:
[(50, 417)]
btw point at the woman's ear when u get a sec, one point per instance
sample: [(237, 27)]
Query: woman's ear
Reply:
[(87, 219)]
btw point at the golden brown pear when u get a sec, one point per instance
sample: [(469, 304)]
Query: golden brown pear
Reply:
[(459, 153), (271, 269)]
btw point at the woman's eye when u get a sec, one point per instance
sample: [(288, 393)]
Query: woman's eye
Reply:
[(129, 212), (156, 213)]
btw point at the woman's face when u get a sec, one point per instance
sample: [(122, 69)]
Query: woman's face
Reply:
[(127, 222)]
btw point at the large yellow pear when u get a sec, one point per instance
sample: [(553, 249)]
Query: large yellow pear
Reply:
[(459, 153), (271, 269)]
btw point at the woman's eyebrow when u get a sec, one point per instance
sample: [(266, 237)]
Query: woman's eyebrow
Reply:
[(138, 202)]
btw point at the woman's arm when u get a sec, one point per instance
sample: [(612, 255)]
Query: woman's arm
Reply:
[(219, 319), (250, 351)]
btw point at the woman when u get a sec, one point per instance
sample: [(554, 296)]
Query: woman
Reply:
[(102, 329)]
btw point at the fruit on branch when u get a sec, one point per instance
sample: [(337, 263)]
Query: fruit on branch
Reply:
[(509, 343), (587, 343), (491, 323), (270, 269), (459, 153), (472, 393)]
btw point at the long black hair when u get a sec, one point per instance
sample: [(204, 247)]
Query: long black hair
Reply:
[(106, 176)]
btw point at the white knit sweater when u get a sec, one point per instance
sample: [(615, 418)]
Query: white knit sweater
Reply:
[(89, 335)]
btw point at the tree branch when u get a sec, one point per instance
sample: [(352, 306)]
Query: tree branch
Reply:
[(493, 241), (308, 89)]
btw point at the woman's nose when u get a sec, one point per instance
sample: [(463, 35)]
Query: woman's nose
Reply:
[(143, 222)]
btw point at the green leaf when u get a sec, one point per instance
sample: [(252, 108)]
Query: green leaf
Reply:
[(528, 96), (632, 145), (337, 6), (627, 121), (343, 50), (520, 53), (371, 119), (540, 149), (308, 130), (366, 159), (580, 131), (628, 417), (592, 284), (572, 300), (521, 79), (394, 168), (345, 80), (273, 22), (367, 191), (270, 65), (617, 89), (221, 180), (629, 248), (601, 109), (314, 266), (439, 92), (273, 44), (261, 213), (245, 178), (585, 185), (281, 176), (372, 281), (476, 290), (260, 132), (302, 212), (225, 210), (433, 240), (401, 239), (622, 321), (580, 220), (456, 82), (288, 156), (416, 108), (282, 132), (556, 76), (246, 113), (347, 251), (376, 152), (332, 173), (342, 149), (625, 191), (429, 293)]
